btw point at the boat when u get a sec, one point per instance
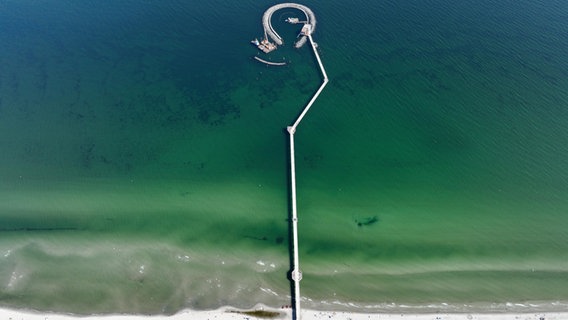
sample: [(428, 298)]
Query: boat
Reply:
[(266, 46), (255, 42)]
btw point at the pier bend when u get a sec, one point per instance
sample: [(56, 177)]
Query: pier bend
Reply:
[(307, 31), (267, 17)]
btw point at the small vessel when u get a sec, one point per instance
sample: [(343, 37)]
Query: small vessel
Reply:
[(264, 45)]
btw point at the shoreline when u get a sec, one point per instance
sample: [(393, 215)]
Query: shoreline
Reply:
[(229, 313)]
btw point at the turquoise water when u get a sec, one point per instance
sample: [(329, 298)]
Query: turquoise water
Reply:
[(143, 163)]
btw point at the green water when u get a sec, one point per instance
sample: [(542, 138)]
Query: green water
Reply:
[(143, 157)]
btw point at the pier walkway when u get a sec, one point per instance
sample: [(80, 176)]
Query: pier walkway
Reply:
[(324, 83), (307, 32), (267, 17), (296, 273)]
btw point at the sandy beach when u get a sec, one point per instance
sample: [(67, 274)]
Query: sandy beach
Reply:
[(228, 313)]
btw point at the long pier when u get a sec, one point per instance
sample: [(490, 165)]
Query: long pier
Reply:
[(296, 273), (307, 31)]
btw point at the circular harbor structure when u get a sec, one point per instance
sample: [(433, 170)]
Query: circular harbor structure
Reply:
[(267, 17)]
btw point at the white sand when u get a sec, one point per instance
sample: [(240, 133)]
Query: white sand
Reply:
[(226, 314)]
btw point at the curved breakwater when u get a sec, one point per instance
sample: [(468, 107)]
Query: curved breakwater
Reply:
[(270, 62), (267, 16)]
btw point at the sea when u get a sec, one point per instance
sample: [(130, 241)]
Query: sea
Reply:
[(144, 162)]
